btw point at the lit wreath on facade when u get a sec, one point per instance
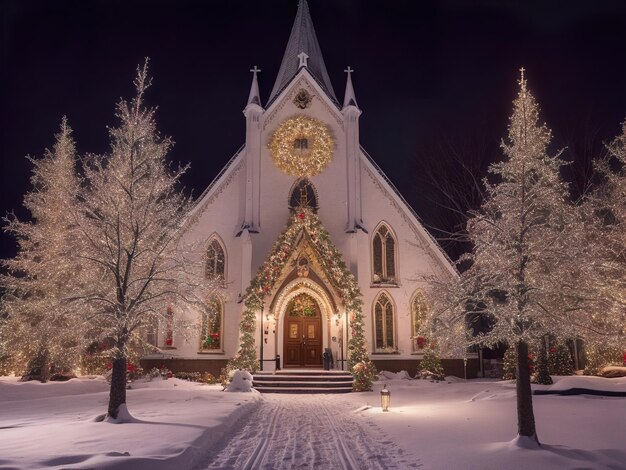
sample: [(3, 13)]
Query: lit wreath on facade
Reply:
[(301, 146)]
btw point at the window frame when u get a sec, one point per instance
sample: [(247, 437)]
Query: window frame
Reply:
[(384, 280), (386, 349), (417, 295), (203, 330), (215, 238)]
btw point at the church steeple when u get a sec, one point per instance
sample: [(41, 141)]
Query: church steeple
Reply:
[(349, 98), (302, 40), (253, 97)]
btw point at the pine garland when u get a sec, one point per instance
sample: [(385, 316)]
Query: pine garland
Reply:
[(306, 223)]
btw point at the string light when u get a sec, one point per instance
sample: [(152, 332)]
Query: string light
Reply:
[(301, 146)]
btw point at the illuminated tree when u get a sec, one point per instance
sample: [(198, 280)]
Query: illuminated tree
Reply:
[(38, 333), (602, 256), (130, 214), (518, 273)]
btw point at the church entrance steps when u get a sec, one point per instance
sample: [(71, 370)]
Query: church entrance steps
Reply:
[(303, 381)]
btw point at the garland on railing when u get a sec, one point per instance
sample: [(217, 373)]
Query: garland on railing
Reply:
[(306, 222)]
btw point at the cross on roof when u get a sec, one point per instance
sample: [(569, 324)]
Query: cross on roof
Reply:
[(349, 70), (303, 59), (255, 70), (522, 70)]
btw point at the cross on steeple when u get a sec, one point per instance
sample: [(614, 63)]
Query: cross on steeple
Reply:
[(254, 97), (303, 59), (522, 70), (348, 98)]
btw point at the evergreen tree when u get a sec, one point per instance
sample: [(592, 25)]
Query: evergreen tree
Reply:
[(363, 370), (510, 364), (541, 370), (38, 331), (520, 268), (560, 360), (134, 264), (430, 366)]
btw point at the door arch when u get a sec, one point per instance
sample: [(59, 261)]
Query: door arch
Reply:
[(302, 333)]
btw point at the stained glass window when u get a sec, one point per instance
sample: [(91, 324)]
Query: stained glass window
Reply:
[(303, 195)]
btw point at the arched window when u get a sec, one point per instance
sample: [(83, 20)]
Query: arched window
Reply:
[(216, 260), (303, 194), (384, 334), (419, 311), (212, 326), (384, 254)]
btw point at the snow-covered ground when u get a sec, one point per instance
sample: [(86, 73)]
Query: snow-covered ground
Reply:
[(456, 425), (53, 424)]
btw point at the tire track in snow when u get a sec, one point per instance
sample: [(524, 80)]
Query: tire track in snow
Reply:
[(258, 455), (306, 431)]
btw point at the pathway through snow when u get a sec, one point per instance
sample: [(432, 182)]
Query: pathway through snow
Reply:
[(310, 431)]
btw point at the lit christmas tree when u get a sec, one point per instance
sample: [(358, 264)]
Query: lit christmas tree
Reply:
[(510, 364), (602, 264), (541, 371), (430, 367), (599, 356), (560, 359), (522, 257), (40, 335), (134, 266)]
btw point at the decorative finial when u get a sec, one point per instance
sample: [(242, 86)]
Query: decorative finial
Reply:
[(349, 70), (303, 59), (255, 70)]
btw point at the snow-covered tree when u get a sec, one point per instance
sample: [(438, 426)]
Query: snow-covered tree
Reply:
[(135, 267), (39, 332), (603, 253), (518, 273)]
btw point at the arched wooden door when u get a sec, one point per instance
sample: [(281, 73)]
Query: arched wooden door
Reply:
[(302, 333)]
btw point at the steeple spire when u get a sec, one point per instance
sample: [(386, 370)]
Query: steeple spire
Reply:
[(253, 97), (302, 40), (349, 98)]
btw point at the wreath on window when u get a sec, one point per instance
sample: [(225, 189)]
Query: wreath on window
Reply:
[(301, 146)]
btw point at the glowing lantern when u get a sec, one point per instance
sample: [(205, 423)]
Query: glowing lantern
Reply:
[(385, 398)]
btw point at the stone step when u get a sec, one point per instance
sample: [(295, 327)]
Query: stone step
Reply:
[(303, 381), (304, 390), (302, 378), (325, 373), (300, 383)]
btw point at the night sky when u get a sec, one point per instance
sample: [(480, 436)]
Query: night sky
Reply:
[(432, 79)]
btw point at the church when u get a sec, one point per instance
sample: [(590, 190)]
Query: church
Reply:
[(302, 218)]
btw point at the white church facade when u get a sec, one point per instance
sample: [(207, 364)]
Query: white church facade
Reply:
[(302, 158)]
